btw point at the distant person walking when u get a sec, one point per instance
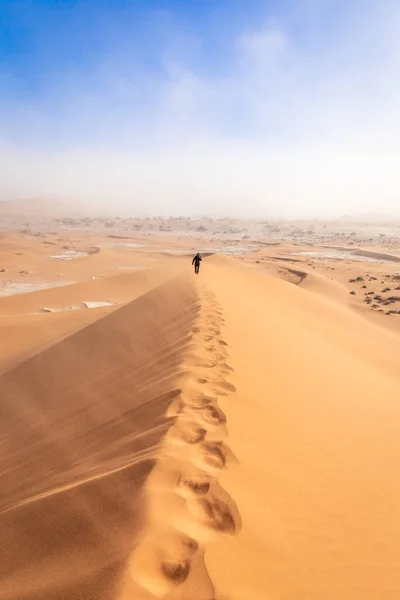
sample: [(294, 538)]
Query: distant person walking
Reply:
[(196, 262)]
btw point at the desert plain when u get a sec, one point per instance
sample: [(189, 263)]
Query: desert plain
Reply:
[(221, 436)]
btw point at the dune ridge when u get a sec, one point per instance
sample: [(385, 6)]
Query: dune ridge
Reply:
[(187, 505)]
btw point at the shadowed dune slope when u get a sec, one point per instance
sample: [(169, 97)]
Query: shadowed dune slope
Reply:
[(80, 425)]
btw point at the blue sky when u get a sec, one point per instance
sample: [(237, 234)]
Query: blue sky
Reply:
[(265, 108)]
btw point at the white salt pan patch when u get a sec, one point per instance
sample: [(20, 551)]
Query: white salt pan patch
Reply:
[(232, 249), (321, 255), (69, 255), (77, 307), (96, 304), (223, 250), (9, 289)]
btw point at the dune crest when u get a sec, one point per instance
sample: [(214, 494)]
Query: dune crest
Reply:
[(187, 505)]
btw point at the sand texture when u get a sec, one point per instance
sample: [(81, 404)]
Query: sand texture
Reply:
[(227, 436)]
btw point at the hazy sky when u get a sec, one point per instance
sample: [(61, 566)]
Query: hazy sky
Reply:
[(226, 107)]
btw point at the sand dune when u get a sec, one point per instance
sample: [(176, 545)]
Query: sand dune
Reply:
[(220, 437), (78, 439), (315, 426)]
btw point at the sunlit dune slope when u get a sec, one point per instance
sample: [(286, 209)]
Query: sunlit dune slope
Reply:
[(315, 426)]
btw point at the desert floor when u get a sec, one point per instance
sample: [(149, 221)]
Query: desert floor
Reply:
[(223, 436)]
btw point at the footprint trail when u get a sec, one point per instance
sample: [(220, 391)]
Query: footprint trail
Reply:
[(186, 504)]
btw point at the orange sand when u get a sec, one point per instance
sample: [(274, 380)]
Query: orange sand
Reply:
[(225, 436)]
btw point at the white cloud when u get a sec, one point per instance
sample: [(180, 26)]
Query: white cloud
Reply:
[(290, 128)]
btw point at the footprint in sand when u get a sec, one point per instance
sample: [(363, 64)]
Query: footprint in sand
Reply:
[(187, 401), (177, 572), (226, 367), (208, 416), (218, 353), (220, 357), (178, 552), (210, 457), (197, 422), (208, 338), (188, 433), (213, 513), (179, 548), (162, 567), (212, 415), (198, 400), (206, 365), (195, 486), (220, 370), (220, 367), (211, 323)]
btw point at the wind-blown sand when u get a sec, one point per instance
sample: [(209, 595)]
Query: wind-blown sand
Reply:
[(225, 436)]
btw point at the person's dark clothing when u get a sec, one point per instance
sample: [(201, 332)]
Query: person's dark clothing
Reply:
[(196, 262)]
